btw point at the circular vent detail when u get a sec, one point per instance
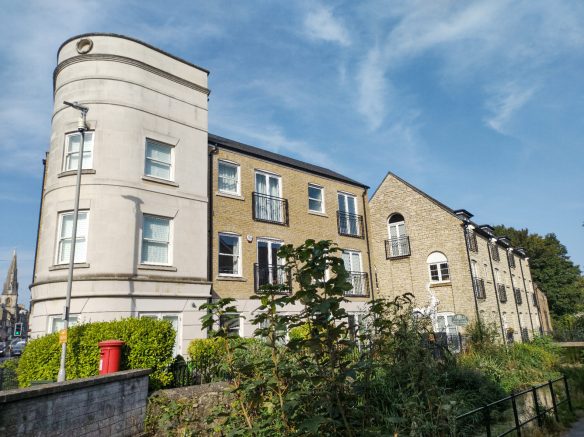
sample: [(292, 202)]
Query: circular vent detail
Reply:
[(84, 46)]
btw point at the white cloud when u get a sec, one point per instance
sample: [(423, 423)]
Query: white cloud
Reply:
[(320, 24), (372, 86), (504, 102)]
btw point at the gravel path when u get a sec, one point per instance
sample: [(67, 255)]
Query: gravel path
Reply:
[(577, 430)]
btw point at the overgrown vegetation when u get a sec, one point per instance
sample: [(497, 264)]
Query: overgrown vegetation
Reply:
[(331, 379), (148, 344), (511, 367)]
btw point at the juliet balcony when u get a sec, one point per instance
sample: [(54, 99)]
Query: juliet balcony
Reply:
[(350, 225), (360, 282), (397, 247), (270, 209), (269, 274)]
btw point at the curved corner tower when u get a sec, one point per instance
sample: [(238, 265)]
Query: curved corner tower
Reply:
[(142, 233)]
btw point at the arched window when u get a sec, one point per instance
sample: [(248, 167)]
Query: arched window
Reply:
[(398, 243), (438, 265)]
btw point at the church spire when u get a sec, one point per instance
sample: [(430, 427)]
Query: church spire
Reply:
[(11, 282)]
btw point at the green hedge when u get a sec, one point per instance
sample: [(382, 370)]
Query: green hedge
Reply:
[(149, 344)]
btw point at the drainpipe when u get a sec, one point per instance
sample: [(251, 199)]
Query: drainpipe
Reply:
[(526, 295), (367, 242), (213, 150), (465, 229), (36, 250), (494, 241), (510, 251)]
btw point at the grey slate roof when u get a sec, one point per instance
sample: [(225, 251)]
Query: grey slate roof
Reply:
[(246, 149)]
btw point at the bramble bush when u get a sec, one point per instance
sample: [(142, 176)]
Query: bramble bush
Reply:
[(148, 344)]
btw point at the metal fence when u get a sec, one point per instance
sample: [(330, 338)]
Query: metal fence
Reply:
[(185, 373), (518, 413)]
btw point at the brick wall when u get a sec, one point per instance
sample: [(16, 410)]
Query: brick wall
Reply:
[(233, 214), (108, 405), (432, 227)]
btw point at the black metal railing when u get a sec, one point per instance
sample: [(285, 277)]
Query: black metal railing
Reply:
[(350, 225), (502, 293), (396, 247), (360, 282), (524, 335), (511, 258), (518, 297), (495, 252), (186, 373), (479, 288), (270, 209), (272, 274), (513, 412)]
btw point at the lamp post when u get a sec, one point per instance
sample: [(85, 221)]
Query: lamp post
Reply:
[(81, 127)]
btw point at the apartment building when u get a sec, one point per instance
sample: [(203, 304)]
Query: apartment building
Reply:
[(141, 242), (170, 216), (261, 200), (449, 263)]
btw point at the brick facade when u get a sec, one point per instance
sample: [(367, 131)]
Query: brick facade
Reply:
[(433, 227), (233, 214)]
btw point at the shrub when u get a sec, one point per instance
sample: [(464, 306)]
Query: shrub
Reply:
[(148, 344)]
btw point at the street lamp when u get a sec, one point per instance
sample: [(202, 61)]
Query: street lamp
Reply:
[(81, 127)]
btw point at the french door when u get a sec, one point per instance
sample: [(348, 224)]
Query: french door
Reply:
[(353, 265), (398, 238), (348, 218), (270, 270), (268, 202)]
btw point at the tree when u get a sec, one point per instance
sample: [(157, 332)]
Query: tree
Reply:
[(551, 268)]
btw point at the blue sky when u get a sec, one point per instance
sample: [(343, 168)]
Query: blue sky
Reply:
[(478, 103)]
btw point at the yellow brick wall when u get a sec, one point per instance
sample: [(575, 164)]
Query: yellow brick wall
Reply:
[(234, 214)]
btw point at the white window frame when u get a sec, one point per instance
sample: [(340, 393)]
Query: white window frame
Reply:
[(171, 164), (86, 143), (177, 349), (438, 265), (268, 175), (239, 263), (240, 320), (170, 239), (52, 319), (238, 182), (322, 202), (60, 217)]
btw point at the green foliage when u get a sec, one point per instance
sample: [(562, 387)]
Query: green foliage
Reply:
[(9, 379), (551, 268), (518, 366), (148, 344), (325, 379)]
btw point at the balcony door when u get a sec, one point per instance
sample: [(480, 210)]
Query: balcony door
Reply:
[(348, 219), (397, 235), (268, 203), (352, 261), (444, 325), (269, 267)]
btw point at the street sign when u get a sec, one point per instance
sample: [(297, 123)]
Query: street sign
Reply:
[(460, 320), (62, 336)]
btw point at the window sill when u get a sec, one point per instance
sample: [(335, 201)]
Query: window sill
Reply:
[(230, 196), (441, 284), (231, 278), (320, 214), (66, 266), (159, 181), (157, 267), (74, 172)]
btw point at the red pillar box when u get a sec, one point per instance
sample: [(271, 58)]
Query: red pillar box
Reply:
[(110, 354)]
